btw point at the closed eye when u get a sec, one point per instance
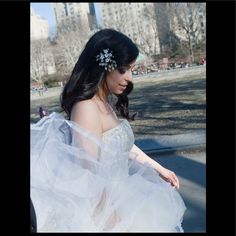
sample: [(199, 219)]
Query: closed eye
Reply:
[(123, 69)]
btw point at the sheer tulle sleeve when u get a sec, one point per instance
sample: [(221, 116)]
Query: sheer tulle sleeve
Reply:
[(67, 159)]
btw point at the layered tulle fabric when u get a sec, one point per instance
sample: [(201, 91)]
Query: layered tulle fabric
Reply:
[(81, 183)]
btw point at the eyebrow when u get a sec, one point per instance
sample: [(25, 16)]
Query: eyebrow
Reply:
[(131, 66), (127, 66)]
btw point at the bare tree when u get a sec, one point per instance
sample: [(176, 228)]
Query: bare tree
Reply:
[(70, 41), (40, 59), (188, 23), (150, 42)]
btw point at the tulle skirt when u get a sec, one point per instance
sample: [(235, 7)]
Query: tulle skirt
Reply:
[(76, 189)]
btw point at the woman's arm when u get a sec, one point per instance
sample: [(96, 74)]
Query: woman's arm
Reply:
[(166, 174)]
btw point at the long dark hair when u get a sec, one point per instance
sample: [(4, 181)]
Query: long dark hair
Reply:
[(87, 74)]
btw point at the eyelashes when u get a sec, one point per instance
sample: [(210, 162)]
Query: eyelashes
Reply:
[(123, 69)]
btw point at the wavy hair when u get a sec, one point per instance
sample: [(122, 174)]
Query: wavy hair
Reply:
[(87, 75)]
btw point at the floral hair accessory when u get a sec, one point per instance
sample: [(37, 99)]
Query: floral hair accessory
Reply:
[(106, 60)]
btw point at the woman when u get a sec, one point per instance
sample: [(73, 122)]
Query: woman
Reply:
[(86, 173), (42, 112)]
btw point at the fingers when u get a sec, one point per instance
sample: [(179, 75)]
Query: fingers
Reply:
[(175, 180), (171, 178)]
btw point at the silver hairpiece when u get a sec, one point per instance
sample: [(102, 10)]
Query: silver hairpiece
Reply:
[(106, 60)]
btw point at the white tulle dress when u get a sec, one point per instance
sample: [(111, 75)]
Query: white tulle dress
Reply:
[(80, 183)]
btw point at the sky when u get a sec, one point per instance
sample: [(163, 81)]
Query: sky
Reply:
[(45, 10)]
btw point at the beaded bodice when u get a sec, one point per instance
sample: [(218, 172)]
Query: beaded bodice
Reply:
[(121, 136)]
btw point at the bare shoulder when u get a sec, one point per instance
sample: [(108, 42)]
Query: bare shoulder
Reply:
[(86, 114), (85, 106)]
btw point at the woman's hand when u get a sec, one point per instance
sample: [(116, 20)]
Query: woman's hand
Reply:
[(169, 176)]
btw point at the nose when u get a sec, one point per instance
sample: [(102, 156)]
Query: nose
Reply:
[(129, 76)]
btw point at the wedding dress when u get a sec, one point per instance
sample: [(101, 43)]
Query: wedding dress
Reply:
[(80, 183)]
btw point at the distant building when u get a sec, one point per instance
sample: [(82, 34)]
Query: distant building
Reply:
[(129, 18), (38, 26), (70, 12)]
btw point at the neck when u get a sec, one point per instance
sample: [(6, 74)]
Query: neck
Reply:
[(101, 99), (102, 94)]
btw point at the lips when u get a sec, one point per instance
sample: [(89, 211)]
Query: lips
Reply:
[(123, 87)]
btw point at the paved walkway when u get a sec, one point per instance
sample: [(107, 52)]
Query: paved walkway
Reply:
[(172, 143), (191, 170), (51, 92), (180, 154)]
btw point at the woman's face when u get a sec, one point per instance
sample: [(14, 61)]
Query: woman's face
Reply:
[(118, 79)]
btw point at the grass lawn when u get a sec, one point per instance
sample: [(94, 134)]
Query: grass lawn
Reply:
[(163, 107)]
